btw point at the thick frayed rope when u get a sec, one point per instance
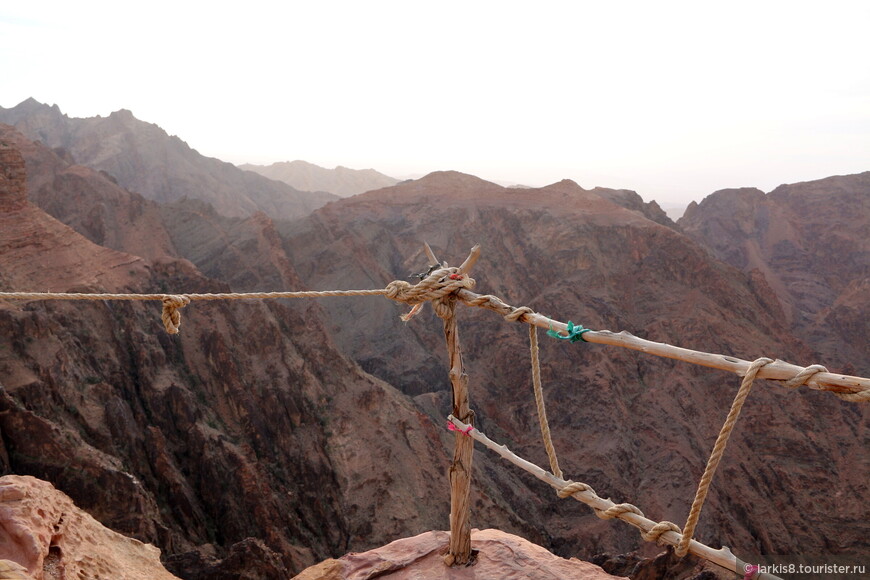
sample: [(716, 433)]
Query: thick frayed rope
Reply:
[(716, 456)]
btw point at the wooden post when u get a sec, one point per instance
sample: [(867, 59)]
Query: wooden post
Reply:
[(459, 549)]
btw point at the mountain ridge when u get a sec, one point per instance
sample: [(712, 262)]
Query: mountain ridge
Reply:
[(341, 181), (145, 159)]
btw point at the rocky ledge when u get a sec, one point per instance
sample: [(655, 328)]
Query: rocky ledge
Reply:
[(498, 555)]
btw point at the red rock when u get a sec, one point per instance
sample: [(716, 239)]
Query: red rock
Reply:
[(809, 244), (500, 556), (90, 202), (43, 531)]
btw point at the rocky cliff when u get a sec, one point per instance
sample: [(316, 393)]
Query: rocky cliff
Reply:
[(638, 427), (89, 201), (232, 442), (144, 159), (341, 181), (809, 243), (498, 555)]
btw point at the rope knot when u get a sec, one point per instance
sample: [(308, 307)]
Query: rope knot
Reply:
[(171, 316), (518, 313), (435, 288), (804, 376), (655, 533), (617, 510), (574, 487)]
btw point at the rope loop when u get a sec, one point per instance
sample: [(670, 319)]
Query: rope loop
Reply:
[(655, 533), (518, 313), (804, 376), (171, 316)]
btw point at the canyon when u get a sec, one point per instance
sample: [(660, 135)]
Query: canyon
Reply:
[(268, 436)]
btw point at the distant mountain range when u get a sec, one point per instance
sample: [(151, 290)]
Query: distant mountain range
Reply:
[(144, 159), (306, 176)]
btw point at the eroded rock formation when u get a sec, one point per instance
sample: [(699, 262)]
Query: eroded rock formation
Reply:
[(44, 536)]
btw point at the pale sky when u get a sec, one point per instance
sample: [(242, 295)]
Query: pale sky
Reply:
[(672, 99)]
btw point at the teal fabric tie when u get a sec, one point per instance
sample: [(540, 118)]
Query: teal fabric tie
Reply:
[(575, 333)]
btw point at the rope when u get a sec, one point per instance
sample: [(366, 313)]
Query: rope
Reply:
[(445, 281), (660, 532), (435, 287), (172, 303), (539, 401), (804, 376), (716, 455), (653, 534)]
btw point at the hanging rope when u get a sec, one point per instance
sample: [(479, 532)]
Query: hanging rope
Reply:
[(718, 451), (539, 402)]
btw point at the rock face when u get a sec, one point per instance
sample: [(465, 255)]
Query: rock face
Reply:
[(51, 539), (145, 160), (250, 424), (341, 181), (631, 200), (499, 555), (90, 202), (808, 243), (636, 427), (246, 253)]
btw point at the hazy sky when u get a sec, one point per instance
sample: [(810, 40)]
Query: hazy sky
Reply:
[(671, 99)]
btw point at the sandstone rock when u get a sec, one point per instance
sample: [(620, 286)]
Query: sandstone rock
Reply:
[(43, 531), (498, 555)]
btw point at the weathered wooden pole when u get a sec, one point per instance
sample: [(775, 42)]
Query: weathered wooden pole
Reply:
[(459, 549)]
